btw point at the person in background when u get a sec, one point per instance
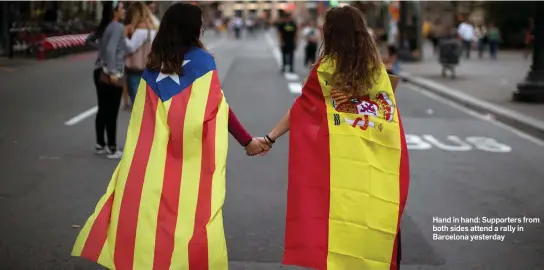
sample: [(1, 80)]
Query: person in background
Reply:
[(93, 40), (392, 38), (433, 35), (237, 25), (466, 31), (426, 28), (112, 49), (250, 25), (153, 9), (312, 37), (141, 32), (529, 38), (482, 39), (494, 39), (287, 38), (391, 62), (218, 26)]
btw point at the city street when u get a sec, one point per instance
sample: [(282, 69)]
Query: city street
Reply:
[(462, 165)]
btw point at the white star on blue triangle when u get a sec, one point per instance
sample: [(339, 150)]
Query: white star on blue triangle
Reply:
[(174, 76), (197, 63)]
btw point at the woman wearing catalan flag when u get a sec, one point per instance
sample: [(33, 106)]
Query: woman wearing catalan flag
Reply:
[(163, 206), (348, 159)]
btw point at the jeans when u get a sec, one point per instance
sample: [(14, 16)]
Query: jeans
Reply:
[(480, 47), (467, 47), (133, 81), (493, 49)]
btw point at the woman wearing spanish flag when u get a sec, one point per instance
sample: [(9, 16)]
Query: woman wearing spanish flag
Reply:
[(348, 159), (163, 206)]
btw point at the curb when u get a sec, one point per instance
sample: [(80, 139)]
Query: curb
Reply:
[(512, 118)]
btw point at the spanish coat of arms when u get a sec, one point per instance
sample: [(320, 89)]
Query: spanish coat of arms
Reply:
[(365, 107)]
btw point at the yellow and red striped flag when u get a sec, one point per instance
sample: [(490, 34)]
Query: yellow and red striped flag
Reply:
[(163, 206), (348, 176)]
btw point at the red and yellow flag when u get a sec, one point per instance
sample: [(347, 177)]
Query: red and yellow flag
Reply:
[(163, 206), (348, 176)]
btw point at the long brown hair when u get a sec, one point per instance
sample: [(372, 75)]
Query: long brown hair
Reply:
[(180, 30), (348, 42)]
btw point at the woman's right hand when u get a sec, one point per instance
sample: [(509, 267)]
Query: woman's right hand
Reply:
[(129, 30), (114, 79)]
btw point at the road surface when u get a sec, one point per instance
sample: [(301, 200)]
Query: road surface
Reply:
[(462, 165)]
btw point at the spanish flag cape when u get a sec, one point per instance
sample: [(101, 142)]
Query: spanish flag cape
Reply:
[(348, 176), (163, 206)]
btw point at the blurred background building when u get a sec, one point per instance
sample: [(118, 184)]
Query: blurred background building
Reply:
[(64, 17)]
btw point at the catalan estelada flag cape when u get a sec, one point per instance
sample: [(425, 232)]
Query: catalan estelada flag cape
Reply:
[(348, 176), (163, 206)]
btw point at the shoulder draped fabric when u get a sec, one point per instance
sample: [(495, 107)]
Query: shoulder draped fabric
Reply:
[(163, 206), (348, 176)]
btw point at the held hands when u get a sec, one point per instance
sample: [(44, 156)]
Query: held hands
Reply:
[(258, 146)]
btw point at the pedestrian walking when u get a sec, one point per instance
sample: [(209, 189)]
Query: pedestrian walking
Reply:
[(347, 153), (482, 39), (467, 35), (312, 36), (250, 25), (493, 40), (237, 25), (113, 47), (287, 38), (142, 32), (177, 137)]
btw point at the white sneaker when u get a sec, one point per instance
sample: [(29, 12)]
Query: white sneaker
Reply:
[(115, 155), (100, 150)]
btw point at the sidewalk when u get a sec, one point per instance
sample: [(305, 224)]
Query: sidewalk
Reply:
[(482, 84)]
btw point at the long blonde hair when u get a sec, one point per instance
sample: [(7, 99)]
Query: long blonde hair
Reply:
[(138, 15)]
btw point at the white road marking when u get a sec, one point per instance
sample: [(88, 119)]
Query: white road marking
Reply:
[(455, 144), (295, 88), (82, 116), (475, 114), (291, 76), (275, 52)]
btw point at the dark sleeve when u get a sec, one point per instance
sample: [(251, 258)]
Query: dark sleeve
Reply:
[(237, 130), (92, 40)]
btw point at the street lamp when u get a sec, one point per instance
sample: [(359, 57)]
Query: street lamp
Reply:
[(531, 89)]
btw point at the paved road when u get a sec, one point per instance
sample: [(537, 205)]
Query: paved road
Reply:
[(52, 181)]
